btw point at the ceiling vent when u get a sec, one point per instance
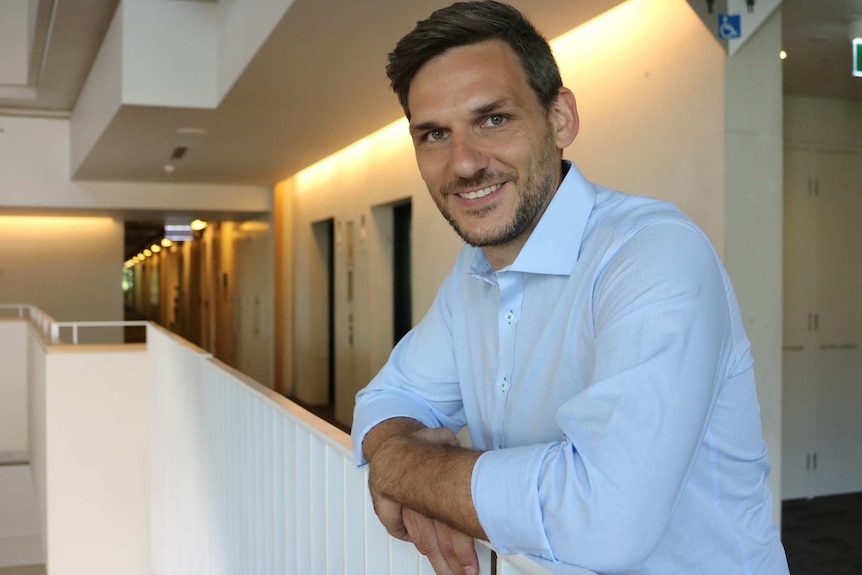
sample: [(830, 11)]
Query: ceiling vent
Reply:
[(179, 152)]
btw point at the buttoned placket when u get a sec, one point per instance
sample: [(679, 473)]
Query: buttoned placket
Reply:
[(510, 285)]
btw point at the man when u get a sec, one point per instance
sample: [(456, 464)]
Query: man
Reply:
[(590, 340)]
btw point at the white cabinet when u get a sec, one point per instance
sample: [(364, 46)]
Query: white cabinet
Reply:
[(822, 359)]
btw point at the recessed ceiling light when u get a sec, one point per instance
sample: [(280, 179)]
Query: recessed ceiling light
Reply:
[(782, 55), (191, 132), (169, 168)]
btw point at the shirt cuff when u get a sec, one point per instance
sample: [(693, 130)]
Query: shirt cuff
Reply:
[(505, 489), (374, 410)]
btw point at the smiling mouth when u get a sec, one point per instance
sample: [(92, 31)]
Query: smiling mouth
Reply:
[(475, 195)]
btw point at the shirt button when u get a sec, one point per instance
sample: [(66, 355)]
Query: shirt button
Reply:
[(510, 317), (504, 385)]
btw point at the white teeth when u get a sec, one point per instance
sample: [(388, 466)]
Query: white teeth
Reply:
[(480, 193)]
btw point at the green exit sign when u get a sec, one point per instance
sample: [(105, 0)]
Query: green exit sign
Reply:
[(857, 57)]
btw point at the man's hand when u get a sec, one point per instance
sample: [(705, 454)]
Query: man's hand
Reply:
[(390, 514), (449, 551)]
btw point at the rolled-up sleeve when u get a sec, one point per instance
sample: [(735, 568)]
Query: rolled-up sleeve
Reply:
[(419, 380), (602, 496)]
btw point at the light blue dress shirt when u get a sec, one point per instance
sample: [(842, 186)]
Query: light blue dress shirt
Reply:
[(608, 378)]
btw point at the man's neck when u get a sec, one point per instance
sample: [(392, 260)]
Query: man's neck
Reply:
[(503, 255)]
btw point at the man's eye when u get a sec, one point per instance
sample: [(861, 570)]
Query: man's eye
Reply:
[(435, 135), (495, 120)]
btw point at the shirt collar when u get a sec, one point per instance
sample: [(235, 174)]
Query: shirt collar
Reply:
[(555, 244)]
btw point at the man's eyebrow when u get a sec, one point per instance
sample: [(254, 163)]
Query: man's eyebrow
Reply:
[(423, 127), (488, 108)]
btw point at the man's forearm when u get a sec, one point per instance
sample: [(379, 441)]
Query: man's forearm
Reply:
[(417, 471), (385, 430)]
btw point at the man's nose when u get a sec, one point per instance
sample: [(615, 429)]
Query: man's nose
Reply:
[(467, 155)]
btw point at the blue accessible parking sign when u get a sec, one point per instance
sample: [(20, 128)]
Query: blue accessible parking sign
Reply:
[(729, 26)]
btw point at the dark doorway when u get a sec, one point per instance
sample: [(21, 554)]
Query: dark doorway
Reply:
[(402, 301), (327, 227)]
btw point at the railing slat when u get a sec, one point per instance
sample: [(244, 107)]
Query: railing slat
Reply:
[(354, 519), (303, 500), (278, 497), (403, 558), (335, 503), (290, 488), (317, 505), (376, 540)]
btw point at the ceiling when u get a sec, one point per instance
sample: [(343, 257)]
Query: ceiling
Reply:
[(289, 109), (317, 83)]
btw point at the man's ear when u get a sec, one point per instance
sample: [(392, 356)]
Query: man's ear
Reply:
[(563, 118)]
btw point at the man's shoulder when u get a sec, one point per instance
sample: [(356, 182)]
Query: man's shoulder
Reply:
[(625, 213)]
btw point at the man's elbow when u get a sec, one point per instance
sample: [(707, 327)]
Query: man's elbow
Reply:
[(612, 544)]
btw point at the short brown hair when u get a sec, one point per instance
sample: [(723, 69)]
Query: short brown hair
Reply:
[(468, 23)]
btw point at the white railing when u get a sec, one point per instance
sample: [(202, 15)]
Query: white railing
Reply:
[(52, 330), (37, 317), (76, 326), (241, 479), (245, 481)]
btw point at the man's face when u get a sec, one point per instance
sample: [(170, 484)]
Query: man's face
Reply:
[(484, 145)]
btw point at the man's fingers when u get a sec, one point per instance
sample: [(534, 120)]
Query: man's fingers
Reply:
[(390, 515), (458, 548), (423, 534), (449, 551)]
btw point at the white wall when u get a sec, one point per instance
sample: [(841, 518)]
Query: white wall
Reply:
[(754, 214), (835, 124), (97, 456), (651, 106), (178, 65), (70, 267), (822, 395), (36, 425), (100, 97), (241, 32), (20, 536), (13, 385), (17, 35), (652, 122), (35, 171)]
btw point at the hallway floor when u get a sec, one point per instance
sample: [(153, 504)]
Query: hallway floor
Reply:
[(27, 570), (823, 536)]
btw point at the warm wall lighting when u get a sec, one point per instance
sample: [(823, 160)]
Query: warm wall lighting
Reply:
[(155, 248), (166, 243), (147, 253), (356, 154), (782, 55), (198, 225)]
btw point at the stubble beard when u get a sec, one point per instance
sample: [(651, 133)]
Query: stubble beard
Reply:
[(533, 196)]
